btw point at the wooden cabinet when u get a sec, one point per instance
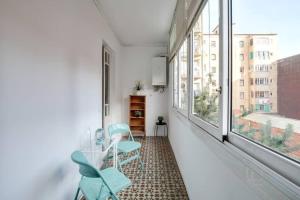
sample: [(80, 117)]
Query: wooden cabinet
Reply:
[(137, 115)]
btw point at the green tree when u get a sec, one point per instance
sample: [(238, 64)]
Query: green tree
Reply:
[(277, 142), (241, 129), (205, 104)]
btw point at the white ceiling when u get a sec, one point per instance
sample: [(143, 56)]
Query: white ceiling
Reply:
[(139, 22)]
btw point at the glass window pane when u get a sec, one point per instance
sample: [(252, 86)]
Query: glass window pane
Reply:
[(206, 64), (175, 81), (265, 105), (106, 84), (183, 81)]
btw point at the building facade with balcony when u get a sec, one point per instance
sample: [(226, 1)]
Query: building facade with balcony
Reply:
[(254, 68), (254, 73)]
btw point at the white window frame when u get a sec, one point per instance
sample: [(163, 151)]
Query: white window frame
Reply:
[(219, 131), (175, 90), (287, 170), (279, 169), (179, 109)]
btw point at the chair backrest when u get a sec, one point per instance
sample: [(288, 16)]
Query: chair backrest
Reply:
[(85, 169), (118, 129)]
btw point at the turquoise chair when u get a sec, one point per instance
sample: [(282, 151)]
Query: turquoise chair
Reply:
[(98, 185), (125, 147)]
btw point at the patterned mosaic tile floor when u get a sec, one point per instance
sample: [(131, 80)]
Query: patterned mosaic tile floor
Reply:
[(160, 179)]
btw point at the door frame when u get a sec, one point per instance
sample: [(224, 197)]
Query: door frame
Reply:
[(106, 92)]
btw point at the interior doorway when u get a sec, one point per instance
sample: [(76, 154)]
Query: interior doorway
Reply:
[(106, 69)]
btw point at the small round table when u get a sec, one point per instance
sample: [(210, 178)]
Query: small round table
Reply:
[(157, 124)]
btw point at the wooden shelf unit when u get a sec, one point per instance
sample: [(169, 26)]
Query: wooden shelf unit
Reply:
[(137, 123)]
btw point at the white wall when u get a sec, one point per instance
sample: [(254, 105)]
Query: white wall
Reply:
[(136, 65), (212, 171), (50, 70)]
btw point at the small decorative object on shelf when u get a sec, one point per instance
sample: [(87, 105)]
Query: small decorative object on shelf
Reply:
[(138, 113), (138, 88), (160, 119)]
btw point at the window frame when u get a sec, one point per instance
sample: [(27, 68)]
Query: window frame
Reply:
[(285, 167), (220, 131), (175, 90), (179, 109), (279, 169), (176, 56)]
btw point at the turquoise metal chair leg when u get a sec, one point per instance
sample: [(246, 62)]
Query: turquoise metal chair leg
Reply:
[(120, 167), (113, 197), (106, 160), (77, 192), (140, 160)]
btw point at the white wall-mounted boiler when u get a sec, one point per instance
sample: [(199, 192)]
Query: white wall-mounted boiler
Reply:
[(159, 71)]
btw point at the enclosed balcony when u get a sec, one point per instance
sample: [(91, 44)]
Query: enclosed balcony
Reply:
[(149, 99)]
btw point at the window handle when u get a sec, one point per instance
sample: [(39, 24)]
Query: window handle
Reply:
[(219, 90)]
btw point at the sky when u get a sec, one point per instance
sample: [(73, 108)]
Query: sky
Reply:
[(270, 16)]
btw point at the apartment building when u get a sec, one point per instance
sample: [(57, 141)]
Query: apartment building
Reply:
[(254, 68), (205, 58), (254, 72)]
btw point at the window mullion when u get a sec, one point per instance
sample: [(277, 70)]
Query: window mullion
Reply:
[(224, 66), (190, 74)]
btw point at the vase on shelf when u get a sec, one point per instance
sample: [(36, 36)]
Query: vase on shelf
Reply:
[(138, 88), (138, 92)]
